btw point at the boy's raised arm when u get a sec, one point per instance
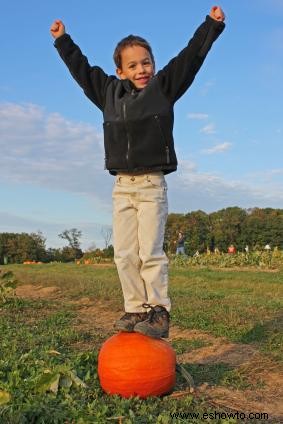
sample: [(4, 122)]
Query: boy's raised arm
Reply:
[(92, 79), (177, 76)]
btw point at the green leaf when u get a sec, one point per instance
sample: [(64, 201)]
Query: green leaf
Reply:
[(11, 284), (4, 397), (66, 381), (8, 276), (48, 382), (76, 380)]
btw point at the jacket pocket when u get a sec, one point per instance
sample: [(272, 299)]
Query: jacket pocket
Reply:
[(150, 142), (166, 147), (115, 145)]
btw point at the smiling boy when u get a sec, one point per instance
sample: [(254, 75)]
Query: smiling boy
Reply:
[(136, 63), (139, 150)]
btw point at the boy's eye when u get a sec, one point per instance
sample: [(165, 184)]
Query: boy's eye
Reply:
[(132, 66)]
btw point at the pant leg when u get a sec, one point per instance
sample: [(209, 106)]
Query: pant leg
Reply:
[(126, 246), (180, 250), (152, 214)]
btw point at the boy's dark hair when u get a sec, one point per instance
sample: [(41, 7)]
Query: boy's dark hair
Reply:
[(130, 41)]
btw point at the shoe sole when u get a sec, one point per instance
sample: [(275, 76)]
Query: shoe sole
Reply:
[(124, 329), (163, 335)]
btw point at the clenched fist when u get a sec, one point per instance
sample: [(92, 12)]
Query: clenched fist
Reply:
[(217, 14), (57, 29)]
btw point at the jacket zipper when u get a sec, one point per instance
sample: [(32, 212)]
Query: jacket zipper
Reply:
[(128, 136), (106, 156), (164, 139)]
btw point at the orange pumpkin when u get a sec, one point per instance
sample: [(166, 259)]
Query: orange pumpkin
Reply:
[(131, 364)]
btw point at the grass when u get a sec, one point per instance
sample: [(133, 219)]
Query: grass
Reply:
[(231, 304), (184, 346), (36, 343), (244, 306), (39, 341)]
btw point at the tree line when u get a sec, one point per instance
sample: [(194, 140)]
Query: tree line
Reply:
[(22, 247), (203, 231), (254, 227)]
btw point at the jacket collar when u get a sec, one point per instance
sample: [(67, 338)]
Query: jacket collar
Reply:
[(129, 86)]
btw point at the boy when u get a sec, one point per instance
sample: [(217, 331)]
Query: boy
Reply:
[(139, 150)]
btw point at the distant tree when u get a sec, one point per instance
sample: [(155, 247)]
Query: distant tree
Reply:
[(197, 232), (106, 233), (72, 236), (226, 227), (73, 251), (263, 226), (39, 246), (69, 254), (19, 247), (108, 252), (54, 255)]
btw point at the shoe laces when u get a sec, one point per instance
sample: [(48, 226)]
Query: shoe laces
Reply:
[(153, 314)]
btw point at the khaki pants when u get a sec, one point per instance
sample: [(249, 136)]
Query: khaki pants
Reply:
[(140, 211)]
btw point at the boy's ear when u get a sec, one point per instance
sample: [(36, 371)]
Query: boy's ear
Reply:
[(120, 73)]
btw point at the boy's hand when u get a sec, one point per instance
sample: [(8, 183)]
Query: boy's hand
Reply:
[(57, 29), (217, 14)]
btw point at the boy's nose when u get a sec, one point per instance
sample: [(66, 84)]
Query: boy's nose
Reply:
[(141, 68)]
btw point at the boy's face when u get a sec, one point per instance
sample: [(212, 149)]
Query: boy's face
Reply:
[(136, 66)]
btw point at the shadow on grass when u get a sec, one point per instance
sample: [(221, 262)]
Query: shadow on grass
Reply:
[(220, 374), (268, 336), (212, 374)]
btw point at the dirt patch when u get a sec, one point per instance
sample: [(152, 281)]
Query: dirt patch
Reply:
[(93, 316), (30, 291)]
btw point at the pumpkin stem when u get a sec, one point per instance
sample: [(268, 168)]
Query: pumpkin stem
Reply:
[(187, 376)]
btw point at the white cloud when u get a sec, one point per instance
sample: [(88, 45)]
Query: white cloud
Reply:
[(190, 189), (219, 148), (208, 129), (197, 116), (206, 87), (273, 176), (46, 149)]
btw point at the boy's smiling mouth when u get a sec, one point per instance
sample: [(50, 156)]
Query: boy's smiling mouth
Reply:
[(143, 80)]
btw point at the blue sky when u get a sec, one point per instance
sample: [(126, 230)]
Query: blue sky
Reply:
[(228, 126)]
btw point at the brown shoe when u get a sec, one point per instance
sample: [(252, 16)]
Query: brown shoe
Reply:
[(157, 323), (129, 320)]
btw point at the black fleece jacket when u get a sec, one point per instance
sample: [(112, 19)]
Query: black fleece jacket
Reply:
[(138, 124)]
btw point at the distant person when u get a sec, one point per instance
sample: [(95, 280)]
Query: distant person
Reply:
[(231, 249), (247, 249), (267, 247), (180, 244), (138, 110)]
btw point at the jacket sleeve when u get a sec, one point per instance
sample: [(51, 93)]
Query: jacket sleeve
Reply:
[(92, 79), (177, 76)]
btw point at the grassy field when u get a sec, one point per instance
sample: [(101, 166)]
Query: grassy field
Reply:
[(52, 330)]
